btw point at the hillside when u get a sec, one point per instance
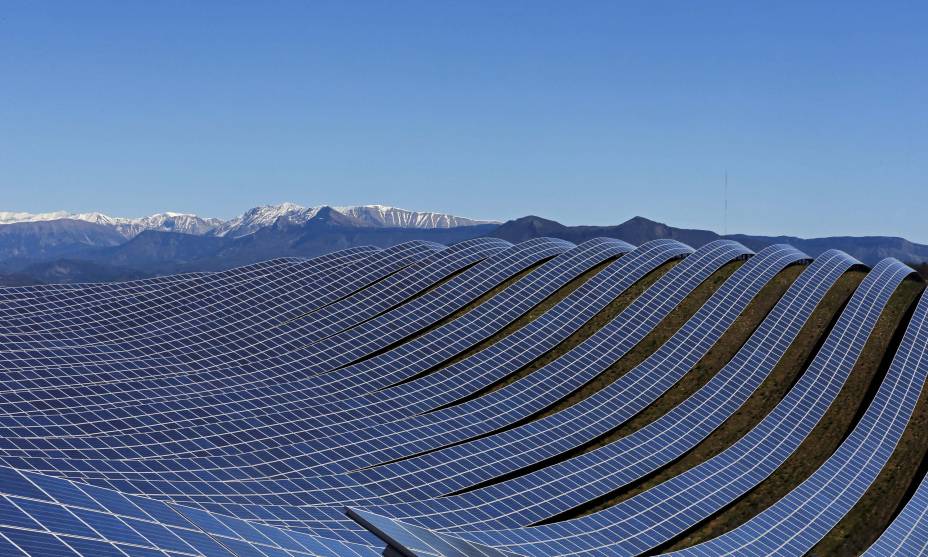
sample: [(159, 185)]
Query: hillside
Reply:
[(155, 252), (868, 249), (30, 250), (627, 370), (922, 269), (51, 239)]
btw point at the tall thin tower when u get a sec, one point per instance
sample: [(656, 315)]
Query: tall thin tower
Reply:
[(725, 215)]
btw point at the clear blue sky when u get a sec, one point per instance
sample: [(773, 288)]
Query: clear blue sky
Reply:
[(585, 112)]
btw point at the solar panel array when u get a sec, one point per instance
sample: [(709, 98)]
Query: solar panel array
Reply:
[(540, 495), (461, 400), (807, 513)]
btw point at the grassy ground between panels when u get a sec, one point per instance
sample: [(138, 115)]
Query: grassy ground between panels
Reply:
[(888, 493), (729, 344), (594, 324), (639, 352), (757, 406), (654, 340), (828, 433), (921, 268), (531, 315), (714, 360)]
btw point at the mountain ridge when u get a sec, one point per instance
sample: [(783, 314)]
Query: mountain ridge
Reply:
[(637, 230), (249, 221), (80, 251)]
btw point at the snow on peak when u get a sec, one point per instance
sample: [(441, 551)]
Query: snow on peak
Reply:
[(384, 215), (257, 218), (169, 222), (174, 222), (10, 217), (251, 220)]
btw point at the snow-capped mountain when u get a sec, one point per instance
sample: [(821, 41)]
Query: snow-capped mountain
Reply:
[(10, 217), (367, 215), (382, 215), (257, 218), (128, 228), (251, 220), (170, 222)]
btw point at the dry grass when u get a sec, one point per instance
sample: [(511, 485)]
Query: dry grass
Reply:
[(879, 505), (873, 513), (922, 269), (826, 436), (604, 316), (714, 360), (533, 313), (755, 408), (654, 340)]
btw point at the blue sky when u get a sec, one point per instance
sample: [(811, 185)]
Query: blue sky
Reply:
[(588, 112)]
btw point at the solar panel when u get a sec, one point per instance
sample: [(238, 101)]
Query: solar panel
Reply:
[(668, 293), (281, 292), (42, 516), (238, 413), (907, 535), (285, 290), (795, 523), (650, 518), (322, 356), (464, 377), (355, 310), (77, 314), (523, 297), (520, 299), (62, 291), (469, 463), (560, 487), (529, 443), (15, 374), (421, 353)]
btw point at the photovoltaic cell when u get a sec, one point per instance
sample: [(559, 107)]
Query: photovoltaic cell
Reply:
[(514, 303), (555, 489), (795, 523), (46, 524), (238, 413), (646, 520), (257, 366)]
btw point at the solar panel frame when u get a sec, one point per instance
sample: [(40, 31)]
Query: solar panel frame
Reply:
[(545, 493), (116, 521), (799, 520), (610, 249), (648, 519), (327, 355), (232, 304)]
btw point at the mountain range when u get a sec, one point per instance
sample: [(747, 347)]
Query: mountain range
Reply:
[(249, 221), (90, 247), (868, 249)]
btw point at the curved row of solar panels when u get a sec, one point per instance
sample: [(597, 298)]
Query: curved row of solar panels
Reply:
[(480, 399)]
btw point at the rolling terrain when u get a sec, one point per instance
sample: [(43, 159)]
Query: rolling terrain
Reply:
[(542, 397), (92, 247)]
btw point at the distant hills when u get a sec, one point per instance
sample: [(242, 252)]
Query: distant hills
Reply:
[(126, 227), (250, 221), (868, 249), (91, 247), (44, 240)]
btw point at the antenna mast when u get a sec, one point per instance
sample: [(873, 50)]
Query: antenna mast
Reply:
[(725, 220)]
